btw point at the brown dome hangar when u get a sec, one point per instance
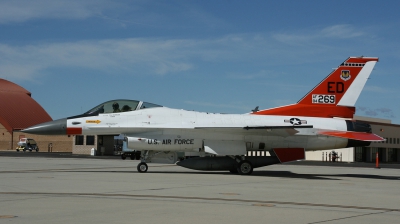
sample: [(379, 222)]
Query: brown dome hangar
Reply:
[(18, 110)]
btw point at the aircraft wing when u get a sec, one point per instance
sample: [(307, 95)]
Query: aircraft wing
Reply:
[(283, 131), (257, 127), (361, 136), (277, 127)]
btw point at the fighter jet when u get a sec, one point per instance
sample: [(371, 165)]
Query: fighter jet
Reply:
[(322, 119)]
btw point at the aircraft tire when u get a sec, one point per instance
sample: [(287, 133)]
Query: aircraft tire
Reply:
[(123, 156), (142, 167), (245, 168), (132, 156)]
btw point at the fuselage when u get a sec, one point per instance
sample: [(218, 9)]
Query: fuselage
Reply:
[(171, 126)]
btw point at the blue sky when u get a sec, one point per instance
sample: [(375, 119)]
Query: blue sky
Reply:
[(213, 56)]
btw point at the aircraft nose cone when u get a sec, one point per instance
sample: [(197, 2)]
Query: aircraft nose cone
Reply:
[(57, 127)]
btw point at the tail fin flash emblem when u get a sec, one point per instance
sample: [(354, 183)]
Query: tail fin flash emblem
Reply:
[(345, 75)]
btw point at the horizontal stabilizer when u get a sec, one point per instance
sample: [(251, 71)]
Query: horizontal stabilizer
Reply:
[(361, 136)]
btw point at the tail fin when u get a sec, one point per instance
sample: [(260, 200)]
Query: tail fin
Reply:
[(335, 96)]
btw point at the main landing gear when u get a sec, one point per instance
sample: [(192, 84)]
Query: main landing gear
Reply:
[(243, 167)]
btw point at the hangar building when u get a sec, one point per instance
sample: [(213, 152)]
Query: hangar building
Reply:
[(18, 110)]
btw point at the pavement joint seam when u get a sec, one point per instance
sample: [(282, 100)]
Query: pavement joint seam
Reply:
[(207, 199)]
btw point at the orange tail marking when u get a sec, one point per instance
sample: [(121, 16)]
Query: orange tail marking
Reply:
[(322, 100)]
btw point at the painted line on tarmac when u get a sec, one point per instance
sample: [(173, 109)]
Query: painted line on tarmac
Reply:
[(205, 199)]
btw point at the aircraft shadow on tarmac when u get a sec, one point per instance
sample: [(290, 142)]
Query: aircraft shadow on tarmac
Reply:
[(279, 174), (367, 176)]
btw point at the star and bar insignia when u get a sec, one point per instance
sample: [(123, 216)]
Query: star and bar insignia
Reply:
[(295, 121)]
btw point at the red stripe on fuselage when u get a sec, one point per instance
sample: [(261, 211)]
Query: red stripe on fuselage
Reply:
[(74, 131)]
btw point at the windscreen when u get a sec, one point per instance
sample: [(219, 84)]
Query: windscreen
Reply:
[(113, 106)]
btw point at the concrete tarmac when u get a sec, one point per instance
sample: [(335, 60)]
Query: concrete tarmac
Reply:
[(68, 189)]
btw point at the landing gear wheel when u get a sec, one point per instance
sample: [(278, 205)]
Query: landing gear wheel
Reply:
[(123, 156), (132, 156), (142, 167), (245, 168)]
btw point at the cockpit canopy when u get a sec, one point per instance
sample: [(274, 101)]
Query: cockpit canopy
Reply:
[(117, 106)]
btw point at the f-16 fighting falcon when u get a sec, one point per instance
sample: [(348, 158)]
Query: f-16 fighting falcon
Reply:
[(322, 119)]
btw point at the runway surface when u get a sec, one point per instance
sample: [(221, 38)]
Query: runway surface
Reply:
[(35, 189)]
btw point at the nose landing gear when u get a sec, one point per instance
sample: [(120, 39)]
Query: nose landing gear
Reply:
[(142, 167), (144, 156)]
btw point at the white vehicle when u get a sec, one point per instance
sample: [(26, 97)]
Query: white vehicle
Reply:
[(27, 144), (321, 120)]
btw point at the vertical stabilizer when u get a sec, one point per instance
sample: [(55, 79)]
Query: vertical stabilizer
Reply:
[(343, 86), (336, 95)]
